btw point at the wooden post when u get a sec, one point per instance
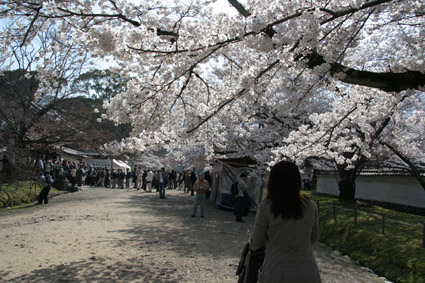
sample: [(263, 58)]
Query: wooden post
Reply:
[(334, 212), (355, 214), (383, 223), (318, 206), (423, 237)]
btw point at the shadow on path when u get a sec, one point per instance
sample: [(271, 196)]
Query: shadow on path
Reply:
[(172, 227), (102, 270)]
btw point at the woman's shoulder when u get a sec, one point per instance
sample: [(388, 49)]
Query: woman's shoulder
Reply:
[(266, 201), (309, 202), (265, 204)]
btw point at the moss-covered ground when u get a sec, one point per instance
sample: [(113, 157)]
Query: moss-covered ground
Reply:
[(386, 241)]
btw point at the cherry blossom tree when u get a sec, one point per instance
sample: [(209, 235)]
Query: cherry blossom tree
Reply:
[(355, 131), (222, 82), (39, 111)]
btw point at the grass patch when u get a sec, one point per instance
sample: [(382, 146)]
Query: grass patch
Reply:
[(19, 193), (391, 247)]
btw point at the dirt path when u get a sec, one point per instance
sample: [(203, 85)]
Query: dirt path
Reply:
[(105, 235)]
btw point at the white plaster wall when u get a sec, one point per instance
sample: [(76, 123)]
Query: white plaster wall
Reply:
[(327, 184), (404, 190), (394, 189)]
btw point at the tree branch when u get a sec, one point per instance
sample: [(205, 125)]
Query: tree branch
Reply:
[(119, 16), (406, 160), (338, 14), (384, 81), (31, 24), (241, 9), (226, 102)]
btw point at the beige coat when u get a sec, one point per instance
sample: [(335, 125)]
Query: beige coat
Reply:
[(289, 254)]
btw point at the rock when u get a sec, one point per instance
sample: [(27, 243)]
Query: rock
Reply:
[(72, 189), (60, 185)]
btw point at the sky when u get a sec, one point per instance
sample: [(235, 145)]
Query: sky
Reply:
[(224, 6)]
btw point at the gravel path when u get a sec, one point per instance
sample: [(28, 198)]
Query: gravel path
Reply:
[(105, 235)]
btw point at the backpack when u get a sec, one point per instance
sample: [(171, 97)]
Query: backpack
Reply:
[(234, 189)]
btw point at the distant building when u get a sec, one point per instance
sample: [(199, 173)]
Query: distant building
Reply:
[(93, 159), (107, 163)]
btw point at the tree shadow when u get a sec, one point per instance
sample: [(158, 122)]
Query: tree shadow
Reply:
[(102, 270), (173, 228)]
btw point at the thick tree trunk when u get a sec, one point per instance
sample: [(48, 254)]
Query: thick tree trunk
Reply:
[(347, 185)]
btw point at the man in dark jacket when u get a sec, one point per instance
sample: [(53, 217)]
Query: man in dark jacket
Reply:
[(121, 178), (44, 193), (193, 179)]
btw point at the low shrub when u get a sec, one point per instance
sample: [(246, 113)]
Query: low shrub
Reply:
[(386, 241)]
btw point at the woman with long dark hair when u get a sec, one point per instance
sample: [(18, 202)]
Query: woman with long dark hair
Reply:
[(287, 225)]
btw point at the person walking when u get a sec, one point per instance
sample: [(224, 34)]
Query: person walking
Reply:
[(186, 182), (149, 180), (121, 178), (139, 178), (135, 174), (145, 173), (114, 178), (107, 178), (80, 173), (200, 187), (155, 181), (163, 178), (193, 179), (92, 177), (45, 182), (172, 182), (102, 176), (56, 169), (240, 197), (180, 177), (287, 225), (128, 177), (73, 173), (209, 180)]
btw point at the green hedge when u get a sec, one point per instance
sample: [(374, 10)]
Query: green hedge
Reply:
[(397, 255)]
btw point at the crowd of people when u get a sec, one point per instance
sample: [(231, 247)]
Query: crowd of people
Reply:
[(139, 178)]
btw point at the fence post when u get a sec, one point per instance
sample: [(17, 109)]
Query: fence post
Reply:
[(423, 236), (355, 213), (318, 206), (383, 223), (334, 212)]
